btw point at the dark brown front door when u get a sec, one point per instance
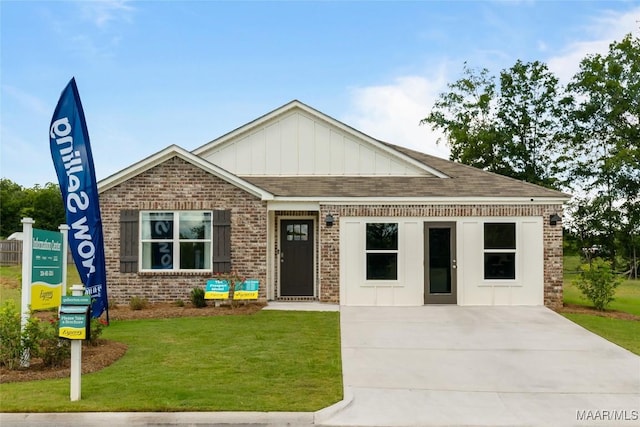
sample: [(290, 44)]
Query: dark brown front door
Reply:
[(296, 258), (440, 263)]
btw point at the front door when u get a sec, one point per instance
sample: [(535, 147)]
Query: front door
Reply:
[(296, 258), (440, 263)]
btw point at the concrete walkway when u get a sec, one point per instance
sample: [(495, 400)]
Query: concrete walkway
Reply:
[(444, 366), (481, 366)]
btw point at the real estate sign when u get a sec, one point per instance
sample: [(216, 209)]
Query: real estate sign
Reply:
[(46, 269), (247, 290)]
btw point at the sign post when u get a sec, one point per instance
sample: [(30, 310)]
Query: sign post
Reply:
[(75, 325), (27, 235)]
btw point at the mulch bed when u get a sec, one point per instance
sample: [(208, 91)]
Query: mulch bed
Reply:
[(579, 309), (95, 358)]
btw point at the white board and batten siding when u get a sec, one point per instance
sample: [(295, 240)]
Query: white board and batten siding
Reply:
[(473, 289), (297, 144)]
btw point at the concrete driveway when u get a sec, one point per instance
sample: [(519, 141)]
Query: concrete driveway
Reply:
[(480, 366)]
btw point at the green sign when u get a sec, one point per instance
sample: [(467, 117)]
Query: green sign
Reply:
[(76, 300), (46, 269), (74, 317)]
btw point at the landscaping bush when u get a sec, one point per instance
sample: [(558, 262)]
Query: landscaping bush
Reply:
[(137, 303), (39, 339), (13, 342), (598, 282), (53, 350), (197, 298)]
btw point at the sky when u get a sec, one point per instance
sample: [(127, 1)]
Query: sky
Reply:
[(155, 73)]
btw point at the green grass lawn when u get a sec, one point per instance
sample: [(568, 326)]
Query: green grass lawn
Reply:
[(625, 333), (269, 361)]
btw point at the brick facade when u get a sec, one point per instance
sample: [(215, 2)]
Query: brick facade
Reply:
[(178, 185)]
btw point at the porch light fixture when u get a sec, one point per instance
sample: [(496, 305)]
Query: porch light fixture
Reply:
[(554, 219), (329, 220)]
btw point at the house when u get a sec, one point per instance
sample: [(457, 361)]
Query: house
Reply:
[(316, 210)]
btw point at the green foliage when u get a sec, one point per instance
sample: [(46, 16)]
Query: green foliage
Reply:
[(197, 298), (43, 204), (138, 303), (13, 343), (509, 129), (39, 339), (96, 325), (598, 282), (604, 151), (179, 303), (53, 350)]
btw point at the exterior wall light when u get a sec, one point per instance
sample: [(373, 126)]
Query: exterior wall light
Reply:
[(329, 220), (554, 219)]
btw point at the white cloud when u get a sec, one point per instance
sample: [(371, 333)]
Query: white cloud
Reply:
[(102, 13), (605, 29), (392, 112)]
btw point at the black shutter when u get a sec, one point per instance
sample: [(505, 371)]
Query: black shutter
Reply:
[(129, 241), (222, 241)]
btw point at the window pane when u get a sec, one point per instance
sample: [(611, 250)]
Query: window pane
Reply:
[(304, 232), (382, 266), (157, 255), (195, 256), (157, 225), (289, 232), (381, 236), (499, 265), (195, 225), (499, 236)]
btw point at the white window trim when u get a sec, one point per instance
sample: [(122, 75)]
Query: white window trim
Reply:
[(175, 241), (382, 282), (516, 251)]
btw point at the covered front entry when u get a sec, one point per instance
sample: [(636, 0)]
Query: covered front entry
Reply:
[(296, 258), (440, 278)]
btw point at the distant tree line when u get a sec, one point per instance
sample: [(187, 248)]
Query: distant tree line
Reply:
[(43, 204), (582, 138)]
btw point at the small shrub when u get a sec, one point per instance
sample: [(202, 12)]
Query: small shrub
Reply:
[(137, 303), (598, 282), (96, 330), (197, 298), (53, 350), (13, 342), (179, 303)]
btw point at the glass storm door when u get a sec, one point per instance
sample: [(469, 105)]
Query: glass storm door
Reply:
[(440, 263), (296, 258)]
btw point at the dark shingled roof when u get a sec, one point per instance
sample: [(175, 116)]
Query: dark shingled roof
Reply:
[(463, 181)]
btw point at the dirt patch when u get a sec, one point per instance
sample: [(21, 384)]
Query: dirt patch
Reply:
[(579, 309), (95, 358)]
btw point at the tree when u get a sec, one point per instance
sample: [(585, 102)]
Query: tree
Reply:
[(43, 204), (12, 200), (530, 115), (604, 152), (466, 115), (511, 130)]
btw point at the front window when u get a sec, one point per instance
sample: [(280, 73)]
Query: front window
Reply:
[(176, 240), (500, 250), (382, 251)]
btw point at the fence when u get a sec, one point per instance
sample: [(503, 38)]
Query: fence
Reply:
[(11, 253)]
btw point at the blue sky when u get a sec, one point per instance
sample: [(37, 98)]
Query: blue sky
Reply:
[(155, 73)]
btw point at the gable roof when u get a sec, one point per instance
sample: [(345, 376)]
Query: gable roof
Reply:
[(297, 140), (441, 180), (175, 151)]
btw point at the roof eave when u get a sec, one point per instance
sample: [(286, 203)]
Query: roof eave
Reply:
[(176, 151)]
